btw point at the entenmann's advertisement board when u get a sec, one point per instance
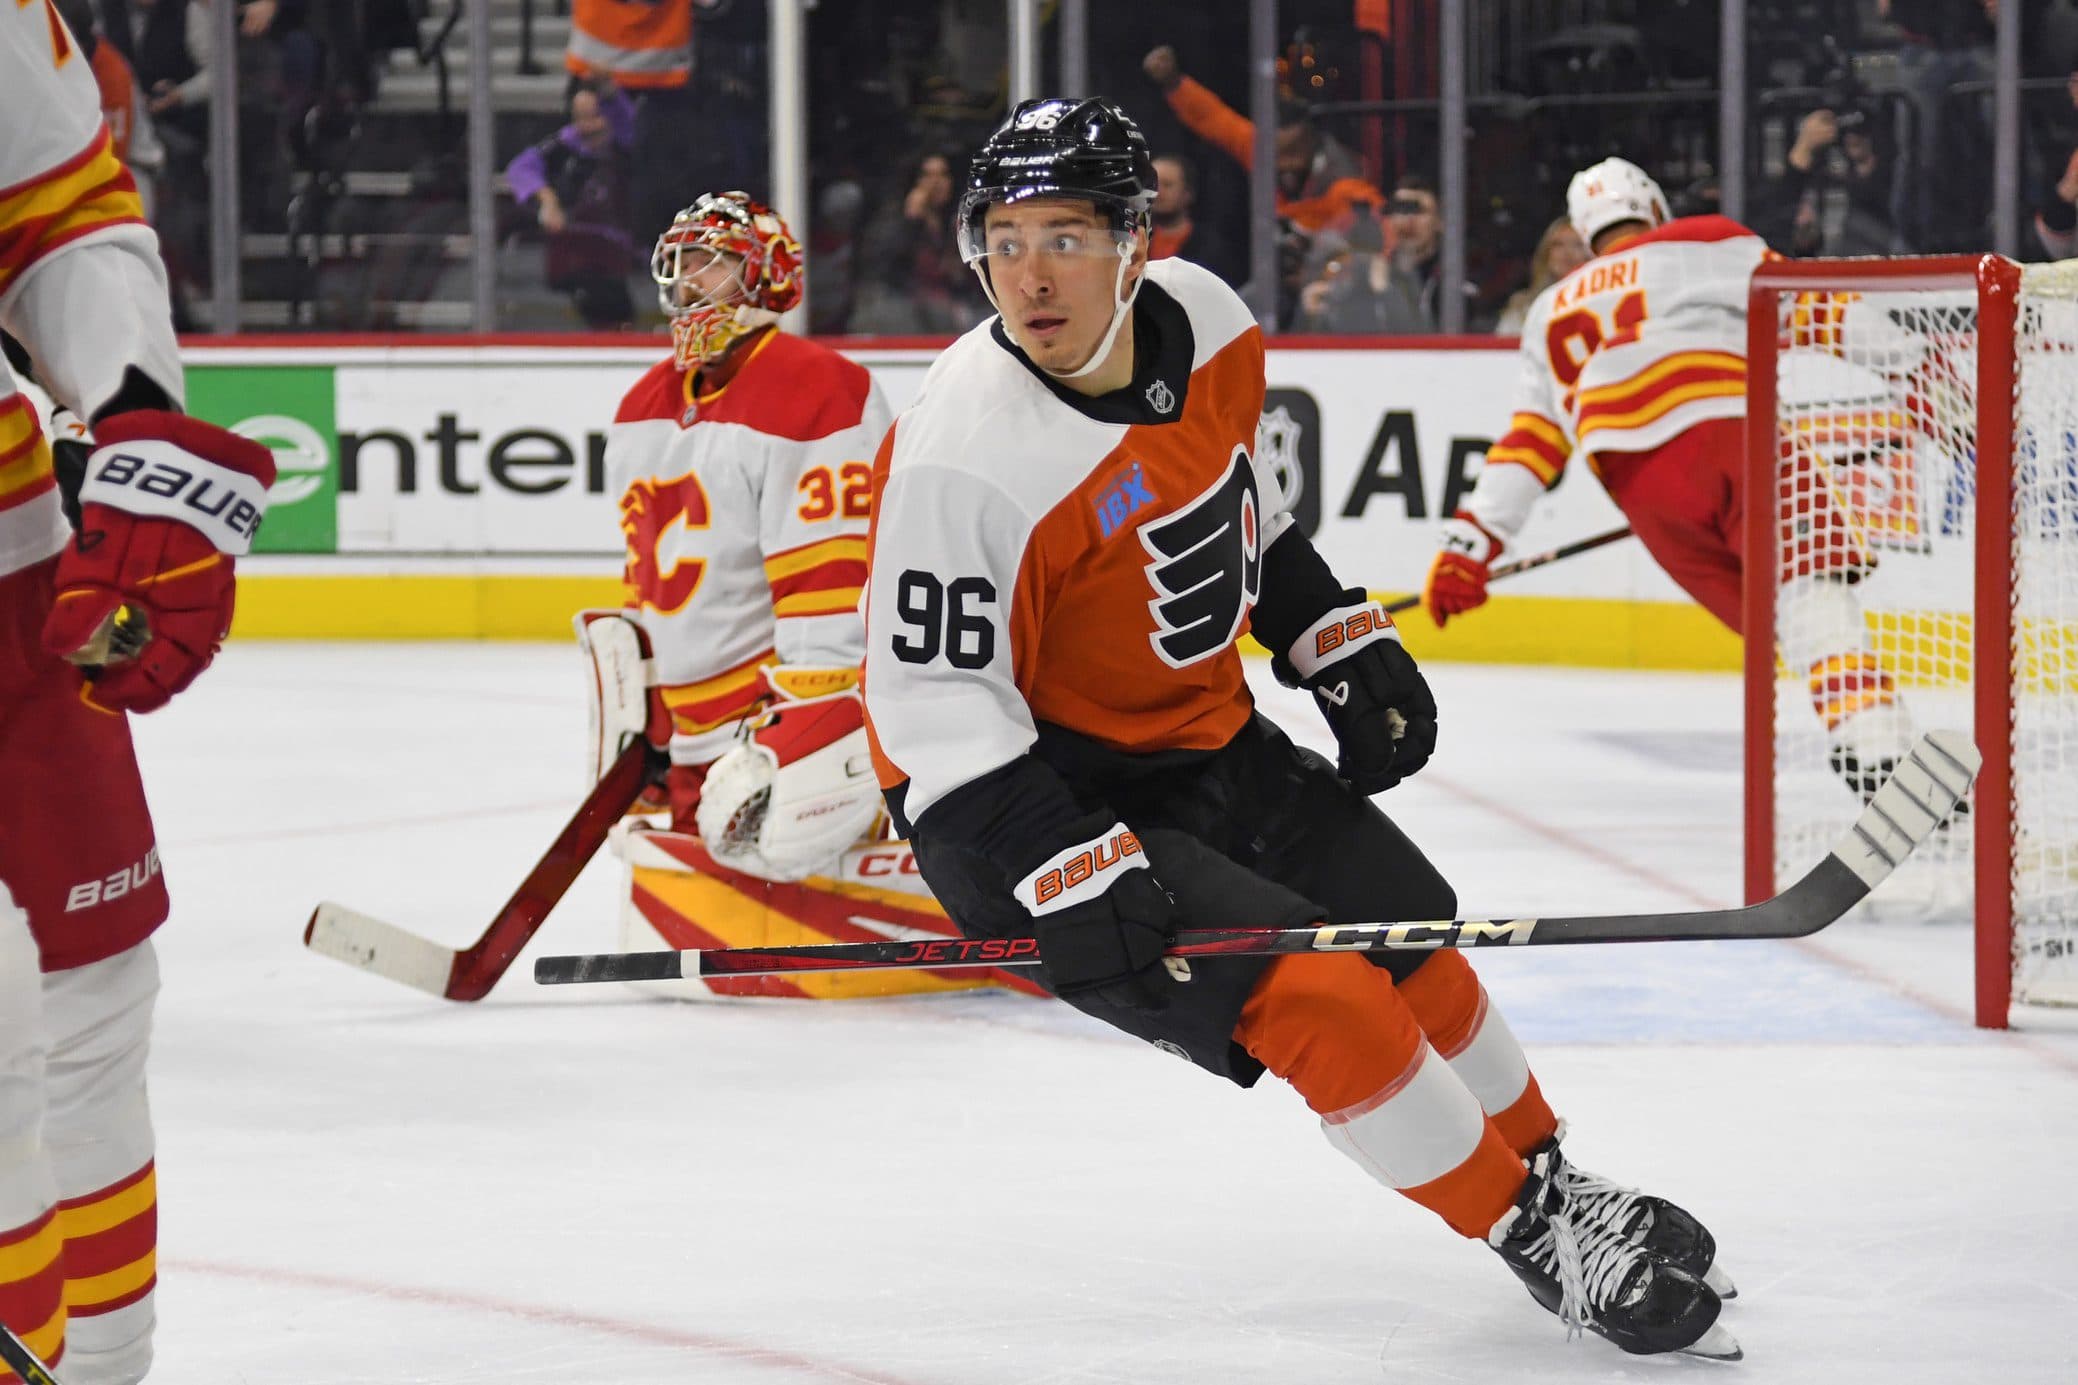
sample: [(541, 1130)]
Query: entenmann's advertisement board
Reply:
[(486, 465)]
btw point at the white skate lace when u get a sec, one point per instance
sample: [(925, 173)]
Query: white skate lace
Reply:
[(1589, 1275), (1599, 1200)]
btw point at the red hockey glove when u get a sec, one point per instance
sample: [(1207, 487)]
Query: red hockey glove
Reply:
[(167, 504), (1374, 698), (1101, 918), (1461, 569)]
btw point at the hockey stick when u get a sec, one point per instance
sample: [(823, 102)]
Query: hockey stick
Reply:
[(16, 1356), (1535, 560), (1910, 806), (387, 950)]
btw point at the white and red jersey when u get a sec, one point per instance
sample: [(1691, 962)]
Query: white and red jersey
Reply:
[(745, 514), (1040, 557), (1634, 347), (62, 191)]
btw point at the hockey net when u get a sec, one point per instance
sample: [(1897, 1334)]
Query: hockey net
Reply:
[(1912, 563)]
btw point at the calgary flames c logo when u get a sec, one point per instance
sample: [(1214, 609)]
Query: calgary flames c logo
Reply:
[(657, 520)]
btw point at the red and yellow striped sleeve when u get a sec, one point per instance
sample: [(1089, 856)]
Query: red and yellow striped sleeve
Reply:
[(111, 1244), (1679, 380), (25, 457), (818, 579), (89, 192), (717, 701), (1536, 442)]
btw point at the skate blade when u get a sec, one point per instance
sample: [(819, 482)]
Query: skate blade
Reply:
[(1720, 1282), (1715, 1345)]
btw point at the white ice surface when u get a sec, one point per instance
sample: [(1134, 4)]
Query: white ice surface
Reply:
[(362, 1184)]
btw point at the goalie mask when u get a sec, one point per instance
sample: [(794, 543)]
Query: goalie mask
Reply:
[(726, 266), (1611, 192), (1090, 151)]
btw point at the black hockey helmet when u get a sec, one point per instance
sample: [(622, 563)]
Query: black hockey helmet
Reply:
[(1057, 147)]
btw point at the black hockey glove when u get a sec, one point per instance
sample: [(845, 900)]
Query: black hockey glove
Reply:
[(1101, 918), (1375, 699)]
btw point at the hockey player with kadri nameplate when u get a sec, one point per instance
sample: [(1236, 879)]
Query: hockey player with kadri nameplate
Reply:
[(1636, 361)]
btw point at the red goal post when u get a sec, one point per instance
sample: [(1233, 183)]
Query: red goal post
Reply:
[(1961, 576)]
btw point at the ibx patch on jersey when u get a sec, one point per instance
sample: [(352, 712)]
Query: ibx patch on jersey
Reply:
[(1122, 499), (1206, 567)]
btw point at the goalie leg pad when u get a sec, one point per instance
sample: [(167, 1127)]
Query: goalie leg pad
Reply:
[(680, 897)]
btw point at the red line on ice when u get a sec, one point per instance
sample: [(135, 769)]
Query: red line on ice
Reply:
[(550, 1317)]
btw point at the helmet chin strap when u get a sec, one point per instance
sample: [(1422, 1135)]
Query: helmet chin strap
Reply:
[(1120, 307), (1118, 312)]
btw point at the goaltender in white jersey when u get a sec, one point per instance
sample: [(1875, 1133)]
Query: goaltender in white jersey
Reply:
[(743, 467)]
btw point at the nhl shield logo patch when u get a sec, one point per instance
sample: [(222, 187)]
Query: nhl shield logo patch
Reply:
[(1161, 398)]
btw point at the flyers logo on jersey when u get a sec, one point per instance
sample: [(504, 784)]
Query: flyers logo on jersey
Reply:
[(1206, 567)]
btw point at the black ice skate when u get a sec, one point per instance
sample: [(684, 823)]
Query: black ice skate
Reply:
[(1668, 1231), (1593, 1278)]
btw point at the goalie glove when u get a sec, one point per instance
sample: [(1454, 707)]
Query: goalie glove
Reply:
[(799, 787), (1374, 698), (166, 506), (1462, 567)]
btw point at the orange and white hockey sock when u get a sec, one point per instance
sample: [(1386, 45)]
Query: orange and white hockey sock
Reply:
[(1337, 1030), (1454, 1010)]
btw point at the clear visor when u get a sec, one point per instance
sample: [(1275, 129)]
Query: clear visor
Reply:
[(692, 277), (1009, 247)]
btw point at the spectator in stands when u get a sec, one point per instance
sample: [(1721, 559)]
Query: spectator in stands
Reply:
[(1362, 291), (2056, 211), (910, 277), (576, 182), (1559, 252), (1835, 194), (638, 45), (1294, 256), (1941, 200), (1177, 231), (1319, 185)]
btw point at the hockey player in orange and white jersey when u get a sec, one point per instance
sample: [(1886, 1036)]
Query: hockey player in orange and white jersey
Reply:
[(1071, 535), (1637, 360), (743, 467), (147, 523)]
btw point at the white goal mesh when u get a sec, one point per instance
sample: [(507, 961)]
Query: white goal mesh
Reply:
[(1881, 585)]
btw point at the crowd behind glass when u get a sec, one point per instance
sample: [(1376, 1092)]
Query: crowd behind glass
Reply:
[(1869, 129)]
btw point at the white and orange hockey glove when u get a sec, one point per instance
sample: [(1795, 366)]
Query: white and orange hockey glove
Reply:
[(144, 592), (1462, 567), (799, 787)]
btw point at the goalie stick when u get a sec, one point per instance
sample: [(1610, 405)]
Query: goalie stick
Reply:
[(16, 1356), (1910, 807), (1535, 560), (468, 974)]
